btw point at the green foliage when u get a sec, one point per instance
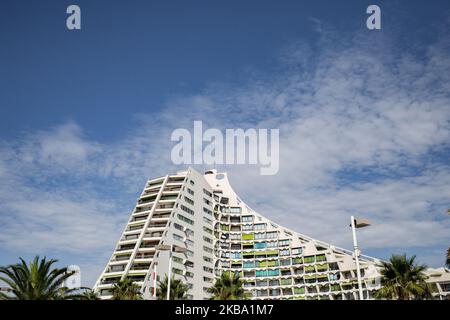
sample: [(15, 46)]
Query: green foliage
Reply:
[(37, 280), (403, 279), (227, 287), (178, 290), (89, 294), (126, 290)]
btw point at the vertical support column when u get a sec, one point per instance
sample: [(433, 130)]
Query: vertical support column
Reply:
[(356, 250)]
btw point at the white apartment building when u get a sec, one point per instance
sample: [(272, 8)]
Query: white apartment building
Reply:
[(220, 233)]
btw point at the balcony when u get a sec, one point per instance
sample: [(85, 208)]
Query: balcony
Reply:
[(161, 216), (130, 237), (145, 200), (116, 268), (144, 256), (135, 227), (125, 247), (121, 258), (157, 224), (109, 281), (137, 219), (143, 208), (138, 267)]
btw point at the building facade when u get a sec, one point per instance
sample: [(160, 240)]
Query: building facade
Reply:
[(220, 233)]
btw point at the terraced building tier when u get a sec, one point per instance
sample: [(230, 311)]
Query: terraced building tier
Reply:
[(220, 233)]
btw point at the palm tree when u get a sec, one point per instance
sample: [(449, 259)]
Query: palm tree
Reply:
[(126, 290), (227, 287), (403, 279), (178, 290), (37, 280), (89, 294)]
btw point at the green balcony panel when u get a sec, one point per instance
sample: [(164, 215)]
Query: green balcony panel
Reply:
[(310, 259), (322, 267), (299, 290), (335, 287), (310, 268), (321, 257), (248, 236)]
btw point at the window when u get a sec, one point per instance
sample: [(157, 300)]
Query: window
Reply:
[(208, 230), (209, 194), (207, 201), (297, 250), (189, 253), (272, 235), (247, 227), (334, 277), (191, 182), (285, 262), (284, 252), (235, 255), (209, 240), (190, 191), (272, 244), (183, 218), (207, 269), (186, 209), (235, 210), (207, 211), (189, 200), (208, 221), (177, 237), (178, 227), (189, 274), (207, 249), (284, 243), (206, 279), (177, 259), (189, 232), (260, 245), (299, 290), (177, 271), (247, 219), (321, 257), (260, 235), (207, 259), (261, 273), (235, 236), (260, 226), (189, 242), (189, 264)]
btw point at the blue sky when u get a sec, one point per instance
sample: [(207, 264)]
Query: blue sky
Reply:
[(86, 117)]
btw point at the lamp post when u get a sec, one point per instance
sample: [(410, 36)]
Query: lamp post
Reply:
[(171, 248), (357, 224)]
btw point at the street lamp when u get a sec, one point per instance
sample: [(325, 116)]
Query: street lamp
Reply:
[(357, 224), (171, 248)]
